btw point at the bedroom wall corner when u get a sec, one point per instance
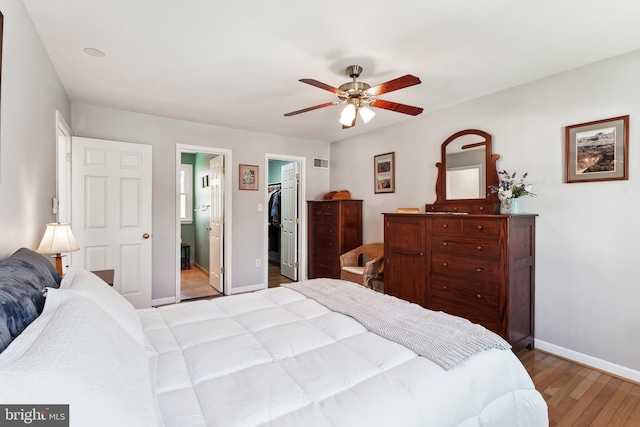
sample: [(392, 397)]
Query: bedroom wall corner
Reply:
[(31, 94)]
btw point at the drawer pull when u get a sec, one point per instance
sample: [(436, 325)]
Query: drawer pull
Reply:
[(445, 244), (479, 227), (479, 269), (445, 264), (478, 296), (445, 225), (479, 248), (455, 209), (445, 288), (481, 208)]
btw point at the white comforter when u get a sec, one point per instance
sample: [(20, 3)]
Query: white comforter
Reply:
[(277, 358)]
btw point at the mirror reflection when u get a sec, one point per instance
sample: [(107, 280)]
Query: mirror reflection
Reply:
[(465, 168)]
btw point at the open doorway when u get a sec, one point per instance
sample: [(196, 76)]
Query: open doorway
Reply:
[(285, 209), (203, 200)]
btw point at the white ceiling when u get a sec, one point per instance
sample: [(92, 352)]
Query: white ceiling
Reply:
[(236, 63)]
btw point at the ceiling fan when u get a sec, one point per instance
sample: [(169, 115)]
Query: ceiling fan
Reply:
[(358, 95)]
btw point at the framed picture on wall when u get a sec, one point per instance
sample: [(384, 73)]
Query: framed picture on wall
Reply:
[(384, 170), (597, 151), (248, 177)]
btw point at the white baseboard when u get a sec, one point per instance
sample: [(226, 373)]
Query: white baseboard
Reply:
[(593, 362), (163, 301), (250, 288)]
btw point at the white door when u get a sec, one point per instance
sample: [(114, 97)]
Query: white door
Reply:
[(289, 221), (216, 226), (111, 213)]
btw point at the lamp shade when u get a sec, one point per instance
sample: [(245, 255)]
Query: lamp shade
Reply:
[(58, 239), (366, 113), (348, 115)]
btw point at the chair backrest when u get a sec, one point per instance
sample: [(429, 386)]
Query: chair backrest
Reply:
[(371, 251)]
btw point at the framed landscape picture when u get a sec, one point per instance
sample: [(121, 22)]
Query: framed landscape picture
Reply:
[(384, 170), (248, 177), (597, 151)]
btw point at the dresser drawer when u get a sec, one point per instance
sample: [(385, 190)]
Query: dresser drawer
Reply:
[(477, 302), (324, 208), (325, 231), (326, 245), (481, 227), (481, 248), (471, 269), (449, 225), (321, 270), (320, 220)]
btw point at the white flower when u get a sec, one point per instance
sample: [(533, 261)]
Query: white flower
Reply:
[(504, 194)]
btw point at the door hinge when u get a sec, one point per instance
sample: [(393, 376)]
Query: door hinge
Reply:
[(222, 220), (297, 220), (68, 156), (298, 176), (222, 169), (296, 265), (221, 270)]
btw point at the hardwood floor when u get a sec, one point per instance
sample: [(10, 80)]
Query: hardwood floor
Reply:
[(581, 396), (195, 284), (275, 278)]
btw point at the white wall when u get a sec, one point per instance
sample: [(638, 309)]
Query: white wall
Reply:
[(31, 94), (163, 134), (587, 289)]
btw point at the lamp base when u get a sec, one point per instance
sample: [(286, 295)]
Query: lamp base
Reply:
[(58, 258)]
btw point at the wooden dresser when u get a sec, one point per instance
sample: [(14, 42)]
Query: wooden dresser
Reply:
[(476, 266), (335, 227)]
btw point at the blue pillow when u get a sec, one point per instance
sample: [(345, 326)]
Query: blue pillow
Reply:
[(23, 277)]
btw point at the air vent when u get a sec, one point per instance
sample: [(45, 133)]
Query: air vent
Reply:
[(320, 163)]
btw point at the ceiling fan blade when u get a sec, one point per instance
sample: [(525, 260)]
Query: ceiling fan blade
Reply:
[(395, 84), (324, 86), (315, 107), (394, 106)]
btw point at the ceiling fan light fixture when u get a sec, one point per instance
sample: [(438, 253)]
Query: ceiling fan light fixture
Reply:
[(366, 113), (348, 115)]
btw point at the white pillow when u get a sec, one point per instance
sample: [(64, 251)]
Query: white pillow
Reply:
[(74, 353), (87, 284)]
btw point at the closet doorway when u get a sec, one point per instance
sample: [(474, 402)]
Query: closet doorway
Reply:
[(285, 209)]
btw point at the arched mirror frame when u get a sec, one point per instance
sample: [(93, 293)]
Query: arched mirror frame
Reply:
[(490, 203)]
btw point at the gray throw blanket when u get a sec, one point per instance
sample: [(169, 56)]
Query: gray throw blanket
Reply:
[(442, 338)]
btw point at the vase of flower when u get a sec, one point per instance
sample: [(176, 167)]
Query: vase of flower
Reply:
[(505, 204), (509, 191), (515, 206)]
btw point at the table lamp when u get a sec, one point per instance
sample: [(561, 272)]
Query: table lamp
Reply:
[(57, 240)]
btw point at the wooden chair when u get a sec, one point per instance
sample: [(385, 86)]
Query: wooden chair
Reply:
[(363, 264)]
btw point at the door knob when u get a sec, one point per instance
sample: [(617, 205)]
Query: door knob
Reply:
[(145, 236)]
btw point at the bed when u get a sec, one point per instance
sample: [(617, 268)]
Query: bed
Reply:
[(275, 358)]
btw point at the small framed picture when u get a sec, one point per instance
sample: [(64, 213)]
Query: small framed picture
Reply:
[(384, 170), (248, 177), (597, 151)]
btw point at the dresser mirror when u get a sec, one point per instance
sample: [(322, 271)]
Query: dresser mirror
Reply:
[(467, 169)]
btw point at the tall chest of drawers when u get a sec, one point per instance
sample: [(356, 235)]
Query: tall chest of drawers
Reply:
[(335, 227), (480, 267)]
